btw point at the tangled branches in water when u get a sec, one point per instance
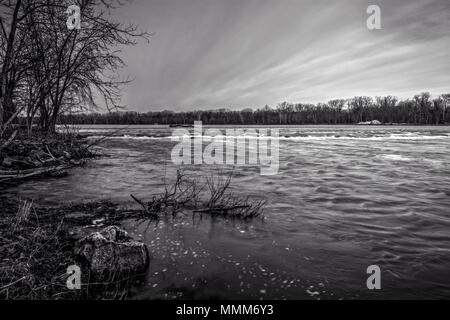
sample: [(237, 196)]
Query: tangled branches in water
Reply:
[(211, 196)]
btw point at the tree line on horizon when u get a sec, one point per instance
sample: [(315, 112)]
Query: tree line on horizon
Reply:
[(422, 109)]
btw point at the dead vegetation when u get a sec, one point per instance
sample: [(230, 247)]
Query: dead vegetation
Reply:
[(34, 254), (37, 244), (211, 195), (36, 247), (26, 157)]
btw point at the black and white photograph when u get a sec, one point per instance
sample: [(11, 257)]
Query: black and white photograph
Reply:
[(224, 150)]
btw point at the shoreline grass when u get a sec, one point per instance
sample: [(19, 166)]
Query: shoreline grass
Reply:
[(37, 246)]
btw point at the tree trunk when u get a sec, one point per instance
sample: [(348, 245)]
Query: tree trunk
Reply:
[(5, 91)]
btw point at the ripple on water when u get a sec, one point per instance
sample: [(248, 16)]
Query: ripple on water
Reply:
[(346, 197)]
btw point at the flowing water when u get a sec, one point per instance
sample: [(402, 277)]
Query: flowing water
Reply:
[(345, 198)]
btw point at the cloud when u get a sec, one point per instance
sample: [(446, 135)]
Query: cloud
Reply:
[(248, 53)]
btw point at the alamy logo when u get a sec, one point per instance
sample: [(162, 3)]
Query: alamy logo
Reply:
[(74, 17), (374, 20), (74, 279), (238, 147), (374, 280)]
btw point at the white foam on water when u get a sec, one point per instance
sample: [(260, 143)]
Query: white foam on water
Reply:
[(407, 137), (394, 137), (395, 157), (128, 137)]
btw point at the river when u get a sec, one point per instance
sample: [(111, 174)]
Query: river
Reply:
[(345, 198)]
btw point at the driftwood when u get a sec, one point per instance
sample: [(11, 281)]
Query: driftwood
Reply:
[(23, 156), (222, 209), (144, 207), (9, 141), (32, 173)]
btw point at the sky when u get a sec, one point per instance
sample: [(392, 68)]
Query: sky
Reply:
[(209, 54)]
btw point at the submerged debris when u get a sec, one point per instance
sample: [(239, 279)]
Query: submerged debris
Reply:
[(209, 197)]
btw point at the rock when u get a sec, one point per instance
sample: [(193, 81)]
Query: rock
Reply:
[(111, 254)]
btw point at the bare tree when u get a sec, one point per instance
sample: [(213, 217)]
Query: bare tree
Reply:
[(359, 105), (446, 98), (423, 106), (60, 70), (7, 37)]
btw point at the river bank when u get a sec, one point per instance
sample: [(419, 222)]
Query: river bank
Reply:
[(37, 243), (37, 246), (27, 156)]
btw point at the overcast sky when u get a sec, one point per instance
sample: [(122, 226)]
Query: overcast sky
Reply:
[(208, 54)]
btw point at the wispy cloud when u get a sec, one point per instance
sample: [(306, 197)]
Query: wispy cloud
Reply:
[(239, 53)]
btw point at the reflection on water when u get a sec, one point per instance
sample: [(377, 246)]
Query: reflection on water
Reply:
[(345, 198)]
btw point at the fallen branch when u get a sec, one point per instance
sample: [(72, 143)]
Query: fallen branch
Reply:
[(188, 193), (31, 173), (144, 207), (24, 156), (12, 283), (9, 141), (224, 209)]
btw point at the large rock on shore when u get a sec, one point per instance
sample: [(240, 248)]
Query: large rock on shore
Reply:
[(111, 254)]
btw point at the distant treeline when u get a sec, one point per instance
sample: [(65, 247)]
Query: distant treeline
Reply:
[(422, 109)]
